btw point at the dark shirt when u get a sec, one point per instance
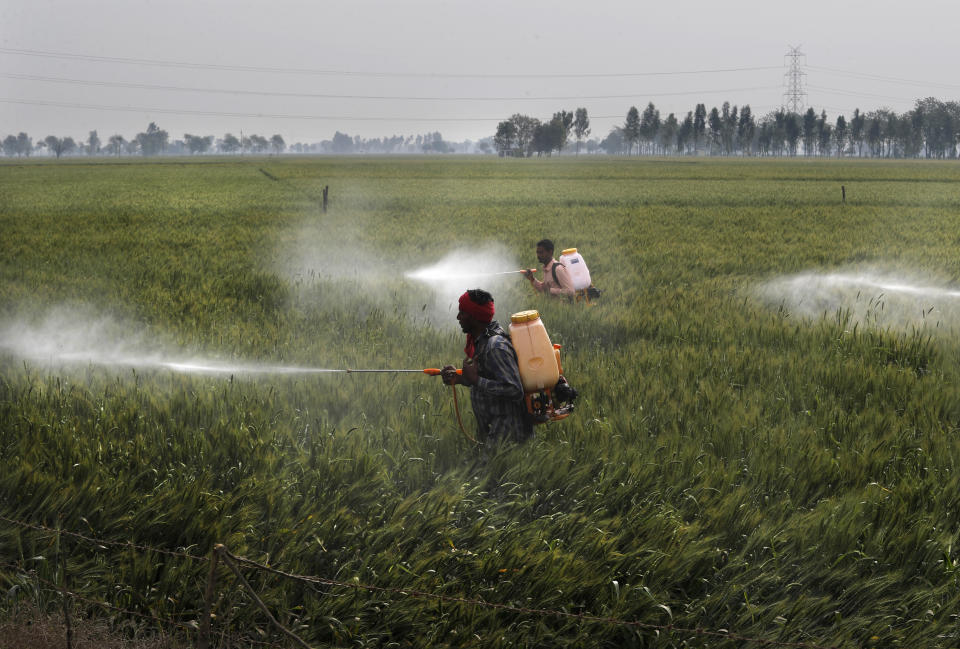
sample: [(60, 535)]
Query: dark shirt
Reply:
[(497, 397)]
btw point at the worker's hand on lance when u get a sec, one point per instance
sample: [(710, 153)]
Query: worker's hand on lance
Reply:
[(470, 372), (528, 273), (449, 375)]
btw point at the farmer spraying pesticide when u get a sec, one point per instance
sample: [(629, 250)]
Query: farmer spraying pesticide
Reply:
[(515, 378), (568, 277), (490, 370), (556, 278)]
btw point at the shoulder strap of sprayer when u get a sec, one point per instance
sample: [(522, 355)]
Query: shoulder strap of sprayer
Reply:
[(554, 270)]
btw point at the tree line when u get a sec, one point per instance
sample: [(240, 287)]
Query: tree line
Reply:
[(931, 130), (156, 141), (153, 141)]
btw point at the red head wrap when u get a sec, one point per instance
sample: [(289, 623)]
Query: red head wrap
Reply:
[(480, 312)]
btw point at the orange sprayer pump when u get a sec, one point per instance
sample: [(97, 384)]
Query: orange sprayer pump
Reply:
[(539, 362)]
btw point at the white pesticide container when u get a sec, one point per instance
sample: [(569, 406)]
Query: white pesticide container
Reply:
[(577, 268), (536, 356)]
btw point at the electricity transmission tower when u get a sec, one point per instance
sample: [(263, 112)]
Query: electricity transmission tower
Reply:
[(794, 96)]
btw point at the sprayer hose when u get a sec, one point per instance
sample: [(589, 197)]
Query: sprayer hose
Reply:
[(456, 408)]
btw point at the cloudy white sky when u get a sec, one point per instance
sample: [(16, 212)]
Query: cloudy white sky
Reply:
[(305, 69)]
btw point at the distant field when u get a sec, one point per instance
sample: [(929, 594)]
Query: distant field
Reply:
[(766, 442)]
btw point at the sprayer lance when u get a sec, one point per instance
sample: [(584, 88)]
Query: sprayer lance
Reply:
[(430, 371), (513, 272)]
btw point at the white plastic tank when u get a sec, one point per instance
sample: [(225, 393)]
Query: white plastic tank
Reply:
[(577, 268), (536, 356)]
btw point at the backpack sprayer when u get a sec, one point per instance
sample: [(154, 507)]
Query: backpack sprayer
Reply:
[(547, 394), (579, 274)]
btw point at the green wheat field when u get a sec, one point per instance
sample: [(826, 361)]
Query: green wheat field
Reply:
[(765, 446)]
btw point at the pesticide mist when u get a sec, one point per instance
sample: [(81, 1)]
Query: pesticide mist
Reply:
[(489, 268), (338, 266), (68, 339), (885, 299)]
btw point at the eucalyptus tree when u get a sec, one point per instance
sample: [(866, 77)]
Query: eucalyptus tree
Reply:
[(115, 143), (649, 125), (685, 134), (745, 130), (716, 129), (581, 126), (615, 142), (875, 136), (857, 123), (562, 124), (699, 125), (824, 135), (894, 144), (952, 109), (792, 130), (668, 133), (765, 138), (631, 129), (809, 131), (778, 132), (93, 143), (728, 129), (840, 135), (276, 141), (917, 116)]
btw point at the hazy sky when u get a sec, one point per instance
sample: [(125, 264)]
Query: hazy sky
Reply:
[(305, 69)]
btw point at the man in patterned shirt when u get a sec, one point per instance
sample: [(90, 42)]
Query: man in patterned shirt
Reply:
[(491, 371)]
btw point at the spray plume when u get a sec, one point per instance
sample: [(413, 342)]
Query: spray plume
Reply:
[(330, 252), (67, 338), (884, 298), (57, 343), (456, 270)]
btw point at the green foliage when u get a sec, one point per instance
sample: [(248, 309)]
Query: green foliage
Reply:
[(730, 465)]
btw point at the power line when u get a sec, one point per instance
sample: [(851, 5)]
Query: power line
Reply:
[(877, 77), (313, 71), (853, 93), (213, 113), (310, 95)]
